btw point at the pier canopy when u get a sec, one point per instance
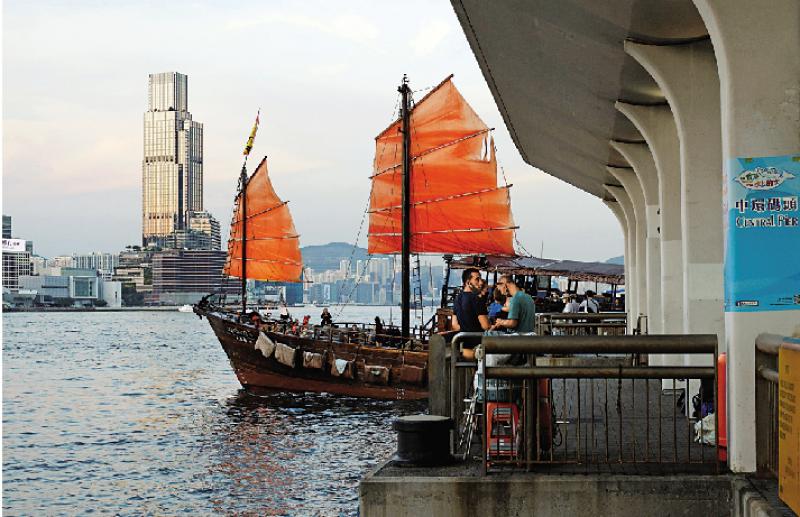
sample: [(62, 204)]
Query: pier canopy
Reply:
[(572, 269), (556, 69), (683, 117)]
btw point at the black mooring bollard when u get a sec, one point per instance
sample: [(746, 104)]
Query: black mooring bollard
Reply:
[(422, 440)]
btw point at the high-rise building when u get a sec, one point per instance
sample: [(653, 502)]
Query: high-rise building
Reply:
[(172, 167), (205, 223), (6, 226)]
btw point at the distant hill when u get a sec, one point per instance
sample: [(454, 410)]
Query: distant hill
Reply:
[(328, 256), (616, 260)]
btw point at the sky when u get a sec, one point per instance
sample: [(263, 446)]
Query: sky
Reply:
[(325, 75)]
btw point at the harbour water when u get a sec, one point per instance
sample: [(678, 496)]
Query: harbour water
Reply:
[(139, 413)]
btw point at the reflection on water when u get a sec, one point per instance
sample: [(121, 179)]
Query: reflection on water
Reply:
[(136, 413)]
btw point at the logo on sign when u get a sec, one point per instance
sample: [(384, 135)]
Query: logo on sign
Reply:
[(763, 178)]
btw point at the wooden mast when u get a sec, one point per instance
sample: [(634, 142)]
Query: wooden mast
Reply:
[(405, 91), (243, 194)]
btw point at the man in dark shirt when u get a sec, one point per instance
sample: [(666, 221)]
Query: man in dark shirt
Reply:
[(470, 314)]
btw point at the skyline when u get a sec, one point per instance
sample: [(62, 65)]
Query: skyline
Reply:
[(324, 77)]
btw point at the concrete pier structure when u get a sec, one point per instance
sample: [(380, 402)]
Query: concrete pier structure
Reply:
[(589, 89)]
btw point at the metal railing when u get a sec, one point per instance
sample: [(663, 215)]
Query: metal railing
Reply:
[(591, 412), (767, 385), (574, 324)]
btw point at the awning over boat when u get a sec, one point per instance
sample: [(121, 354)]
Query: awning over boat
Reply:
[(572, 269)]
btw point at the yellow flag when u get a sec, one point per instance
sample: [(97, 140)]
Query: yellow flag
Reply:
[(250, 140)]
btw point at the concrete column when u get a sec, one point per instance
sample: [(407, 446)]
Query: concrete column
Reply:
[(616, 209), (631, 279), (627, 177), (757, 45), (638, 155), (657, 126), (687, 75)]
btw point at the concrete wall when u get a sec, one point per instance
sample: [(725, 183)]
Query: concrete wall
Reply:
[(543, 495)]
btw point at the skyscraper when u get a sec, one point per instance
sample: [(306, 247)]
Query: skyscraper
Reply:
[(172, 168)]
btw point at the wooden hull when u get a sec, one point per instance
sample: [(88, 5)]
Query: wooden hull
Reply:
[(255, 371)]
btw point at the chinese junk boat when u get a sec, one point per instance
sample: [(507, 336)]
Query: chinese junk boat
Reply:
[(434, 191)]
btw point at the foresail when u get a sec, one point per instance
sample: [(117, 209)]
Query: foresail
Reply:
[(272, 243), (456, 205)]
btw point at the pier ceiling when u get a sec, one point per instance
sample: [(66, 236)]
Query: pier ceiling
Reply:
[(556, 70)]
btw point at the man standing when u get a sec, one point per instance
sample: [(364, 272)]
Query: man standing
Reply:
[(521, 309), (589, 305), (469, 309)]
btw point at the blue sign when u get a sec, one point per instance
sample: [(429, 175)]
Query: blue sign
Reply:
[(762, 234)]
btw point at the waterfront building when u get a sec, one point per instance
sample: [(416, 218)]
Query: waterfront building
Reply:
[(185, 276), (16, 262), (172, 166), (81, 287), (105, 263)]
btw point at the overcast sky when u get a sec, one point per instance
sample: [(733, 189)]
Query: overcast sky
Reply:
[(325, 75)]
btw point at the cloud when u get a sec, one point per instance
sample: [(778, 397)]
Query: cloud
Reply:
[(430, 36)]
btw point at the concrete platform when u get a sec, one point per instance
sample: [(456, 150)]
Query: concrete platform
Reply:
[(460, 491)]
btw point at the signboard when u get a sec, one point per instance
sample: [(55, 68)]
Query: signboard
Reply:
[(762, 234), (13, 245), (789, 424)]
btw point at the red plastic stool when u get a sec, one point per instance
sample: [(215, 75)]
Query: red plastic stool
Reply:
[(501, 430)]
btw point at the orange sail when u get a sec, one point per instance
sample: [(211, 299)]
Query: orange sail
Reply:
[(271, 244), (456, 205)]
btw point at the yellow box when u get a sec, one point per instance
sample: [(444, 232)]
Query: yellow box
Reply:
[(789, 425)]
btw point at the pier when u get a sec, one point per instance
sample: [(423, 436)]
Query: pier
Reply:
[(684, 119)]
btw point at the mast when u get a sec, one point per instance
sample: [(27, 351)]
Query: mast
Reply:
[(405, 91), (243, 194)]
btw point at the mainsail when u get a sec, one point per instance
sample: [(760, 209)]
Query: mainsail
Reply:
[(456, 205), (272, 249)]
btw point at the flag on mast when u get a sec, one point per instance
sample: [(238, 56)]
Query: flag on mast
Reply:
[(250, 140)]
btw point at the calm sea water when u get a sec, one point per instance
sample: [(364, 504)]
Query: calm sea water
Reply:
[(140, 413)]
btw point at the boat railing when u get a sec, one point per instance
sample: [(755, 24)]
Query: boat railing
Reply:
[(348, 332), (577, 324)]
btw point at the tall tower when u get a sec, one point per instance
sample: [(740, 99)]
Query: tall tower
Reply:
[(172, 168)]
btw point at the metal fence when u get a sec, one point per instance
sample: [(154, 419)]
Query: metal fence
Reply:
[(591, 407)]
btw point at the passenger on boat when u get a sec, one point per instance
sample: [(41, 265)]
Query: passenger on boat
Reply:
[(326, 318), (589, 304), (378, 329), (521, 309), (570, 304), (306, 319), (469, 310)]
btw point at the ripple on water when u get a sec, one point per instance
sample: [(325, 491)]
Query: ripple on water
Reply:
[(140, 413)]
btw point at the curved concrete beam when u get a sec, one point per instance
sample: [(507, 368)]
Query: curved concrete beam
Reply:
[(629, 182), (756, 44), (687, 74), (631, 274), (657, 126), (616, 209), (638, 155)]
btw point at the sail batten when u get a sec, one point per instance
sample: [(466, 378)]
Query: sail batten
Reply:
[(272, 251), (456, 204)]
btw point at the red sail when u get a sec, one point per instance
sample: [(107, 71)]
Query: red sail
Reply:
[(272, 243), (456, 205)]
